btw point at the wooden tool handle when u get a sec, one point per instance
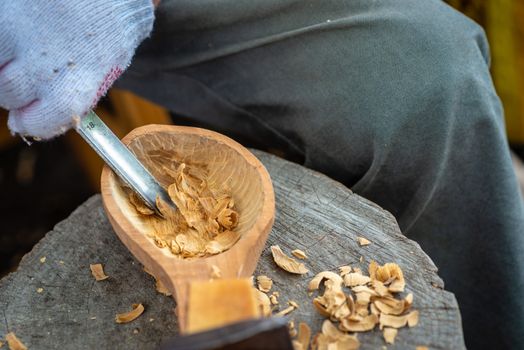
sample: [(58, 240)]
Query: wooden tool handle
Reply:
[(216, 303)]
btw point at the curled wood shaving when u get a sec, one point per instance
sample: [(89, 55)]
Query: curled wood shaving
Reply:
[(314, 284), (299, 254), (389, 335), (127, 317), (98, 272), (363, 242), (393, 321), (14, 343), (390, 274), (390, 305), (286, 263), (367, 323), (264, 283)]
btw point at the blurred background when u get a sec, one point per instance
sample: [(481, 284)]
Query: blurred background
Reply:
[(42, 184)]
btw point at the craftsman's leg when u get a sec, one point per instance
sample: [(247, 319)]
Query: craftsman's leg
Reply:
[(391, 97)]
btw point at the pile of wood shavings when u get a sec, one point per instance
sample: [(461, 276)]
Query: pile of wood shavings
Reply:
[(206, 217), (372, 301)]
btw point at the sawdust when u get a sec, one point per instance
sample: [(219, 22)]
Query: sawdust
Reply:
[(204, 220)]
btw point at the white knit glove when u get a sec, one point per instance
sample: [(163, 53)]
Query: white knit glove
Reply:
[(58, 57)]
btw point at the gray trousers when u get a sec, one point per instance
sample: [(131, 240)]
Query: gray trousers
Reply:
[(391, 97)]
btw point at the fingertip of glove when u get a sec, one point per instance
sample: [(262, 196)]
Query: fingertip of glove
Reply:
[(39, 121)]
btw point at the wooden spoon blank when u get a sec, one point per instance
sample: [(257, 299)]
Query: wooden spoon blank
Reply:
[(227, 161)]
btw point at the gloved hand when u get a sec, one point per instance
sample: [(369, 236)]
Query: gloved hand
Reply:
[(57, 58)]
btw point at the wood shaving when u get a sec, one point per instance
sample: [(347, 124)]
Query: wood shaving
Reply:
[(367, 323), (274, 298), (389, 335), (292, 306), (159, 286), (332, 338), (205, 220), (355, 279), (264, 283), (14, 343), (390, 305), (140, 205), (304, 336), (413, 318), (127, 317), (287, 263), (299, 254), (292, 329), (39, 290), (263, 302), (363, 242), (98, 272), (42, 259), (390, 274), (344, 270), (314, 284), (393, 321)]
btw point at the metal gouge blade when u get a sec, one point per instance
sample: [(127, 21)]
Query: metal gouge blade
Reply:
[(119, 158)]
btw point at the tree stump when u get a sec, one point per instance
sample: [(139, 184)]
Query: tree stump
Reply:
[(314, 214)]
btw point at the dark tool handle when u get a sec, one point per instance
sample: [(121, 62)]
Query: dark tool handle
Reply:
[(265, 334)]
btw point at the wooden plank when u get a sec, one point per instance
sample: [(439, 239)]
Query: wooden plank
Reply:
[(314, 213)]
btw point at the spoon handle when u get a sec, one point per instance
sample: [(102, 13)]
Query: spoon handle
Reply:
[(119, 158)]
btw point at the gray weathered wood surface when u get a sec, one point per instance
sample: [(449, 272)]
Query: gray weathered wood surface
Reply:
[(314, 213)]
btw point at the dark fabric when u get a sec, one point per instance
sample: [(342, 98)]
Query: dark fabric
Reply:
[(392, 98)]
